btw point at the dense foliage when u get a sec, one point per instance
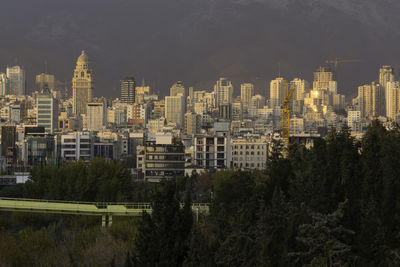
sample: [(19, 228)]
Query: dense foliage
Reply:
[(335, 204)]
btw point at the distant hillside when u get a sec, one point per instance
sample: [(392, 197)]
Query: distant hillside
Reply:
[(198, 40)]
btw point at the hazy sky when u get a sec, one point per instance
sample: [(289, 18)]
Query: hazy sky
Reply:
[(197, 41)]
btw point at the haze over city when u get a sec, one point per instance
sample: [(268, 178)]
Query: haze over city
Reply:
[(199, 41)]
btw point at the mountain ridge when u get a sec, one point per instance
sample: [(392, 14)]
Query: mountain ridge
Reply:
[(197, 41)]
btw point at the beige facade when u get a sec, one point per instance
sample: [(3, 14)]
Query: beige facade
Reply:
[(192, 123), (386, 74), (177, 89), (249, 153), (246, 93), (392, 99), (175, 109), (44, 80), (300, 87), (223, 90), (371, 100), (96, 116), (140, 93), (276, 93), (82, 85)]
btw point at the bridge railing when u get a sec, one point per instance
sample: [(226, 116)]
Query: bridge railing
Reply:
[(102, 205), (75, 202)]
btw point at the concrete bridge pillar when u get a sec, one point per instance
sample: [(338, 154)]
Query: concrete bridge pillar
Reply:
[(106, 220)]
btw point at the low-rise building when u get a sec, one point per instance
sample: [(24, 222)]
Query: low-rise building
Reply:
[(212, 152), (77, 146), (38, 147), (249, 153), (162, 158)]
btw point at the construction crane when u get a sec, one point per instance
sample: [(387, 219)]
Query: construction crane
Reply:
[(286, 114), (335, 62)]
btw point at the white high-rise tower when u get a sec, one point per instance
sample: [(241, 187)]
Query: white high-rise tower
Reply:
[(223, 92), (246, 93), (16, 77), (277, 91)]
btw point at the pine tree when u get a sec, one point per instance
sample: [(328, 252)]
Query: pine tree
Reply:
[(274, 231), (163, 237), (200, 254), (326, 241)]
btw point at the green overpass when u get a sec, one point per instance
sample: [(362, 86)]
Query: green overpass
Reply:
[(104, 209)]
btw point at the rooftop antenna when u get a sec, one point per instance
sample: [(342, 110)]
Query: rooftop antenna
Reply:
[(45, 66), (65, 89)]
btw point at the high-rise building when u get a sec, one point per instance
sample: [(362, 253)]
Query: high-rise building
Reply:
[(246, 93), (190, 100), (137, 114), (175, 109), (392, 99), (128, 88), (371, 100), (379, 100), (191, 92), (140, 93), (16, 77), (257, 101), (365, 100), (43, 81), (9, 148), (324, 96), (82, 85), (178, 89), (96, 116), (225, 111), (277, 91), (159, 109), (237, 110), (325, 79), (300, 87), (47, 111), (386, 74), (192, 123), (4, 83), (223, 90)]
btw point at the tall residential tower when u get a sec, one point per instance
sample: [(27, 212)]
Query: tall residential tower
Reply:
[(276, 92), (128, 87), (246, 93), (223, 92), (16, 78), (386, 74), (44, 81)]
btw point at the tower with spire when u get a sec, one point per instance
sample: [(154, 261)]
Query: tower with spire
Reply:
[(82, 84)]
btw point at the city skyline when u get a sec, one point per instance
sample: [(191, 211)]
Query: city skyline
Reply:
[(67, 85)]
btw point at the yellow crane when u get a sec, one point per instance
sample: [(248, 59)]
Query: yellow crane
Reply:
[(286, 114), (335, 62)]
